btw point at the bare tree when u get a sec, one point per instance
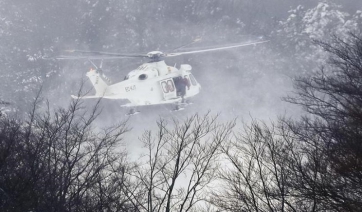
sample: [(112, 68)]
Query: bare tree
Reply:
[(273, 167), (61, 162), (308, 165), (180, 163), (255, 175), (333, 98)]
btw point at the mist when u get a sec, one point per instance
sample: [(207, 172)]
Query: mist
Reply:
[(245, 83)]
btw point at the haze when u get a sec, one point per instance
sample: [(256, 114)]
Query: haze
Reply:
[(246, 82)]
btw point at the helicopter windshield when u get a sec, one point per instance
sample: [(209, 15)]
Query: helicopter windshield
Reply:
[(193, 80)]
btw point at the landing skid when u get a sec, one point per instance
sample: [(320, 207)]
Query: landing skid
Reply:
[(187, 102), (132, 112), (181, 105), (178, 108)]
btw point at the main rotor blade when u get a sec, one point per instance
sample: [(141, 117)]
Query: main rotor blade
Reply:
[(214, 49), (107, 53), (91, 57), (187, 44)]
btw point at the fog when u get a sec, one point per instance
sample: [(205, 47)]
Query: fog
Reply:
[(245, 83)]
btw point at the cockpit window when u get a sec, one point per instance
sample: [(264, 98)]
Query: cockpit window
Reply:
[(193, 80), (142, 77), (126, 77), (155, 71)]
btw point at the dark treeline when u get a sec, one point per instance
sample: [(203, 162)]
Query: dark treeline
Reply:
[(56, 157), (60, 162)]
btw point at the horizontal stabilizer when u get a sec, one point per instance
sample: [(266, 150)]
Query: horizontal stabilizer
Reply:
[(85, 97)]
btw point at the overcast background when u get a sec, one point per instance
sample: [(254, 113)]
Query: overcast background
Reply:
[(245, 82)]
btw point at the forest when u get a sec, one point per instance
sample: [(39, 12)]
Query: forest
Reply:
[(276, 127)]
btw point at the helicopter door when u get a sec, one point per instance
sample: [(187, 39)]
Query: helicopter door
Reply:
[(168, 89), (193, 89)]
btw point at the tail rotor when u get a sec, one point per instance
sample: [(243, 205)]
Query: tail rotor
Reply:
[(99, 69)]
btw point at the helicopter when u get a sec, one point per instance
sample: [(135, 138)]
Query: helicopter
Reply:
[(152, 83)]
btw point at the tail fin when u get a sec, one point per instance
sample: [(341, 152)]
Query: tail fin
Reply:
[(99, 84)]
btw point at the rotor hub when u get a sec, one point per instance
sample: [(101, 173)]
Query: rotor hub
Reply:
[(155, 55)]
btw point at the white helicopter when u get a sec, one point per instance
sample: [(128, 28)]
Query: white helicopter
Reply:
[(152, 83)]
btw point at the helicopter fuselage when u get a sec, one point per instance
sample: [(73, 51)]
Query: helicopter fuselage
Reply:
[(150, 84)]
